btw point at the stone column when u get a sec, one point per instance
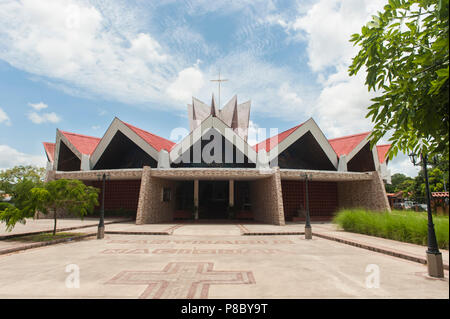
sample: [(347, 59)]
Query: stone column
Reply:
[(267, 199), (279, 214), (369, 194), (144, 197), (231, 193), (196, 199)]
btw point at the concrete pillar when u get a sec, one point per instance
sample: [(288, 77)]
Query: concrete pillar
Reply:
[(262, 160), (196, 198), (231, 193), (163, 159), (342, 165), (85, 164)]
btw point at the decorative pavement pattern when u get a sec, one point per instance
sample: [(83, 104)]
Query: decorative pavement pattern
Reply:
[(189, 280)]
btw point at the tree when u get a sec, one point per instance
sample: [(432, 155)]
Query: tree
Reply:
[(11, 177), (72, 196), (396, 181), (18, 182), (405, 51)]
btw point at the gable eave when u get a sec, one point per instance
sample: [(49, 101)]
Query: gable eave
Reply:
[(115, 126), (61, 138), (212, 123), (308, 126)]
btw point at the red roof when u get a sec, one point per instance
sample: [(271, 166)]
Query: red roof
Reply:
[(49, 150), (346, 144), (439, 194), (382, 151), (153, 140), (273, 141), (83, 143)]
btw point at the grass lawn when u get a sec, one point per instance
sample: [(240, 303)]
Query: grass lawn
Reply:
[(406, 226), (44, 237)]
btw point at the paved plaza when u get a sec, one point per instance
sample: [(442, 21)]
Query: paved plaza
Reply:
[(212, 261)]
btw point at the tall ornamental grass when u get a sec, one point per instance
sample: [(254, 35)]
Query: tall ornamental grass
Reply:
[(406, 226)]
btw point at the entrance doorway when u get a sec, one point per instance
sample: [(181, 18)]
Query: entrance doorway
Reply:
[(213, 199)]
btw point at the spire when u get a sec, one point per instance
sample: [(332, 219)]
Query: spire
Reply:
[(213, 106), (234, 121), (193, 110)]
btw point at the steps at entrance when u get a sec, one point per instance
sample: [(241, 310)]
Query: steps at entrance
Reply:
[(208, 230)]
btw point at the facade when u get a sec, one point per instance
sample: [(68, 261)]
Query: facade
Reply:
[(214, 173)]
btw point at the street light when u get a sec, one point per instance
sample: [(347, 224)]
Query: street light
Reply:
[(434, 256), (308, 230), (101, 224)]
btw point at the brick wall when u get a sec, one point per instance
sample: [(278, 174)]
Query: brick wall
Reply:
[(323, 198), (120, 194)]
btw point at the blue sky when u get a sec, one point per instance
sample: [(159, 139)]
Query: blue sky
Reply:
[(75, 65)]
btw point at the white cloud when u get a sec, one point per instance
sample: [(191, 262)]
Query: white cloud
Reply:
[(39, 118), (253, 136), (327, 26), (273, 90), (92, 48), (76, 43), (38, 106), (10, 157), (288, 95), (4, 118), (402, 164), (342, 106), (187, 84), (146, 48)]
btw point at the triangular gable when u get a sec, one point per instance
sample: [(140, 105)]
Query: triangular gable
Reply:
[(78, 144), (148, 142), (275, 145), (382, 152), (217, 124), (49, 151)]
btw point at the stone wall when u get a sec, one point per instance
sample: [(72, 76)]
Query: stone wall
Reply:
[(151, 207), (364, 194), (267, 200)]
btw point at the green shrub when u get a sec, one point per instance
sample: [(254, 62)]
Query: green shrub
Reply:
[(406, 226), (5, 205)]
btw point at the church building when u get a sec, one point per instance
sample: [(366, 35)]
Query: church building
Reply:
[(213, 173)]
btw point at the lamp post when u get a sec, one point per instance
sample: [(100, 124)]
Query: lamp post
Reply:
[(308, 230), (434, 256), (101, 224)]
